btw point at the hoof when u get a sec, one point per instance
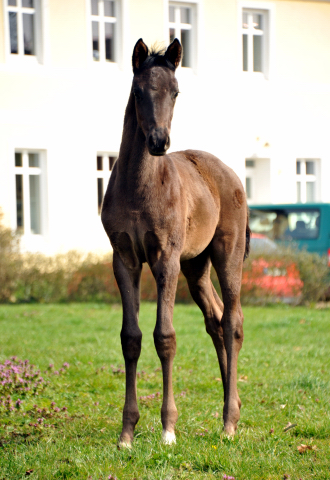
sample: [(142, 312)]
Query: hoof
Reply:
[(124, 442), (168, 438), (230, 431)]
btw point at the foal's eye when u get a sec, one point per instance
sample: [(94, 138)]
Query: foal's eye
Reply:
[(174, 95)]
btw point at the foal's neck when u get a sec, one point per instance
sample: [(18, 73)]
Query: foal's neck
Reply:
[(135, 164)]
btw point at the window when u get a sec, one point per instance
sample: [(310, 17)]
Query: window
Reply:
[(104, 30), (254, 38), (181, 26), (306, 180), (104, 166), (28, 178), (23, 27), (286, 223), (257, 180)]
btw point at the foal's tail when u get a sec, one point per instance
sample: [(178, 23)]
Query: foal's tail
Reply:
[(247, 237)]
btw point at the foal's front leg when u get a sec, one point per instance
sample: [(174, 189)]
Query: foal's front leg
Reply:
[(128, 280), (166, 275)]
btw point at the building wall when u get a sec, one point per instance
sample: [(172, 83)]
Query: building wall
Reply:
[(303, 41)]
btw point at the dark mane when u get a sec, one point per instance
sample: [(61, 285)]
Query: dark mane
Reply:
[(156, 58)]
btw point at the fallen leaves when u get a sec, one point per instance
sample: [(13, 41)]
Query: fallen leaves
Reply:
[(304, 448)]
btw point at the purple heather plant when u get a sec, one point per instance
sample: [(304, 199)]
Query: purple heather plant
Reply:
[(150, 397), (19, 376)]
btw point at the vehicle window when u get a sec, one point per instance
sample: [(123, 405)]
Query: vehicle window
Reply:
[(285, 224)]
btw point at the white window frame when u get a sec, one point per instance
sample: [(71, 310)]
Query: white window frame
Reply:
[(37, 24), (268, 57), (25, 170), (303, 178), (177, 26), (103, 174), (102, 20)]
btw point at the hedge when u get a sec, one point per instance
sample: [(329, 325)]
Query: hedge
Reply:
[(81, 278)]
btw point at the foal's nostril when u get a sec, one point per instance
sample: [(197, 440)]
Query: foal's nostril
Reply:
[(151, 141)]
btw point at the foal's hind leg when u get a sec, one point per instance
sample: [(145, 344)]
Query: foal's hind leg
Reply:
[(197, 273), (227, 258), (128, 280)]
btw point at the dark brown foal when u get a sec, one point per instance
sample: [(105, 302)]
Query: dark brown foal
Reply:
[(184, 210)]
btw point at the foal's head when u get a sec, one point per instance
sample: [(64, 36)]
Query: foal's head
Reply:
[(155, 89)]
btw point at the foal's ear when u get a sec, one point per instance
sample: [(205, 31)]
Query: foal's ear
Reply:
[(174, 52), (140, 53)]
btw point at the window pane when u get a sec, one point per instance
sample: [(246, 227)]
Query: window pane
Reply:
[(310, 170), (13, 32), (99, 194), (248, 187), (310, 191), (245, 53), (172, 34), (95, 35), (284, 224), (95, 7), (109, 29), (249, 163), (27, 3), (35, 203), (185, 15), (99, 163), (109, 8), (257, 53), (298, 192), (186, 45), (111, 162), (258, 22), (19, 202), (171, 14), (303, 224), (298, 167), (28, 29), (18, 160), (12, 3), (34, 160)]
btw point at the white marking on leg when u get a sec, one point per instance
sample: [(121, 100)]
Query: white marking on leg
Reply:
[(123, 444), (168, 437)]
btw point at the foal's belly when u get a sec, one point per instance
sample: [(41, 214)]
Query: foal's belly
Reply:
[(199, 233)]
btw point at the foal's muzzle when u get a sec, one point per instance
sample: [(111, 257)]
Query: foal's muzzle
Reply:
[(158, 141)]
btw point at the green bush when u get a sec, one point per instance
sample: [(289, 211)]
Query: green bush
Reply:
[(45, 279), (10, 263), (75, 277)]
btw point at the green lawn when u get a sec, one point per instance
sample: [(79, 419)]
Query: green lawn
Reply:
[(284, 377)]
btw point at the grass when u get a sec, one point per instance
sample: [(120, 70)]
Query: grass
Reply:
[(283, 372)]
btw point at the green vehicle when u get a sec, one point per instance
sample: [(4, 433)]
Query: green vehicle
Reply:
[(306, 225)]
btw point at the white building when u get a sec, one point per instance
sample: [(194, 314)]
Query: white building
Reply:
[(255, 91)]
